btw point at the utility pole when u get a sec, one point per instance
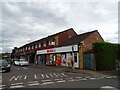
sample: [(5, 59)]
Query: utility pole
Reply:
[(73, 68)]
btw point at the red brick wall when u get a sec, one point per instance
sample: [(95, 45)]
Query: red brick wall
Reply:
[(91, 39)]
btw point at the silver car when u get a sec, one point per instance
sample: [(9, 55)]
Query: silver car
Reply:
[(21, 62)]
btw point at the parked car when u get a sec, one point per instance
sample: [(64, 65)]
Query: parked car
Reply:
[(16, 62), (21, 62), (4, 66)]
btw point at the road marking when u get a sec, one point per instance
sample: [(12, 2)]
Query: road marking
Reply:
[(20, 77), (61, 81), (64, 75), (51, 75), (84, 79), (33, 84), (16, 83), (11, 78), (42, 76), (19, 86), (45, 80), (78, 77), (35, 76), (24, 68), (92, 78), (55, 74), (47, 76), (46, 83), (17, 78), (25, 77)]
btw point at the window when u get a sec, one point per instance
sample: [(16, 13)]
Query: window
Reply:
[(32, 46), (36, 46), (51, 42), (29, 48), (26, 48), (39, 44), (44, 44)]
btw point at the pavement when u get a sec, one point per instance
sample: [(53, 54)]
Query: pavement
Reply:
[(80, 71)]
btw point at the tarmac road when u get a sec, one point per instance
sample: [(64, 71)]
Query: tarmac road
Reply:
[(36, 76)]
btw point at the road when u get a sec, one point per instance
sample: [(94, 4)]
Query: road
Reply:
[(49, 77)]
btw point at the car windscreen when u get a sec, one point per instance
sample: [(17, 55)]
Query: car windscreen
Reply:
[(22, 60), (3, 62)]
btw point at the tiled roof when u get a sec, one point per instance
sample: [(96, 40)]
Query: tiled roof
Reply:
[(76, 39), (48, 37)]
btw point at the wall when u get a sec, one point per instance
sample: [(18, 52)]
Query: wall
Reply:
[(87, 44)]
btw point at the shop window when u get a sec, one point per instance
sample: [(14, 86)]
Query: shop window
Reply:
[(75, 57)]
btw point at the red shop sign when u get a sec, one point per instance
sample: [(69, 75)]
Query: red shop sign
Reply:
[(48, 51)]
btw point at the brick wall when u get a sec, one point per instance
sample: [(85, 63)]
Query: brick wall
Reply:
[(91, 39)]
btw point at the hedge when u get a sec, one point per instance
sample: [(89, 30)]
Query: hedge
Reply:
[(106, 55)]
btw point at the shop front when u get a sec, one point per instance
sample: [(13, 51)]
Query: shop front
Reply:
[(61, 56)]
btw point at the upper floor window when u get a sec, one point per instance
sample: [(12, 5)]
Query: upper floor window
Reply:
[(26, 48), (51, 42), (39, 44), (32, 46), (44, 44), (29, 48), (36, 46)]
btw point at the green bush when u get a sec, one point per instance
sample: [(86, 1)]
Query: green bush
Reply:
[(106, 55)]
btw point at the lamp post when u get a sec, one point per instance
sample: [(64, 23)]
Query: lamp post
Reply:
[(73, 68)]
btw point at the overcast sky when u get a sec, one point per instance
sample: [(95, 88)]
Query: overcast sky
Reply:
[(24, 22)]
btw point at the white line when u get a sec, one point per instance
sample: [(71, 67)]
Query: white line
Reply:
[(115, 76), (17, 78), (20, 77), (78, 77), (25, 77), (17, 86), (35, 76), (61, 81), (11, 78), (24, 68), (64, 75), (47, 76), (84, 79), (57, 79), (42, 76), (92, 78), (108, 77), (46, 83), (33, 84), (45, 80), (55, 74), (51, 75), (16, 83)]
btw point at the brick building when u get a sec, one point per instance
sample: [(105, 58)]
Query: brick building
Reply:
[(61, 48)]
